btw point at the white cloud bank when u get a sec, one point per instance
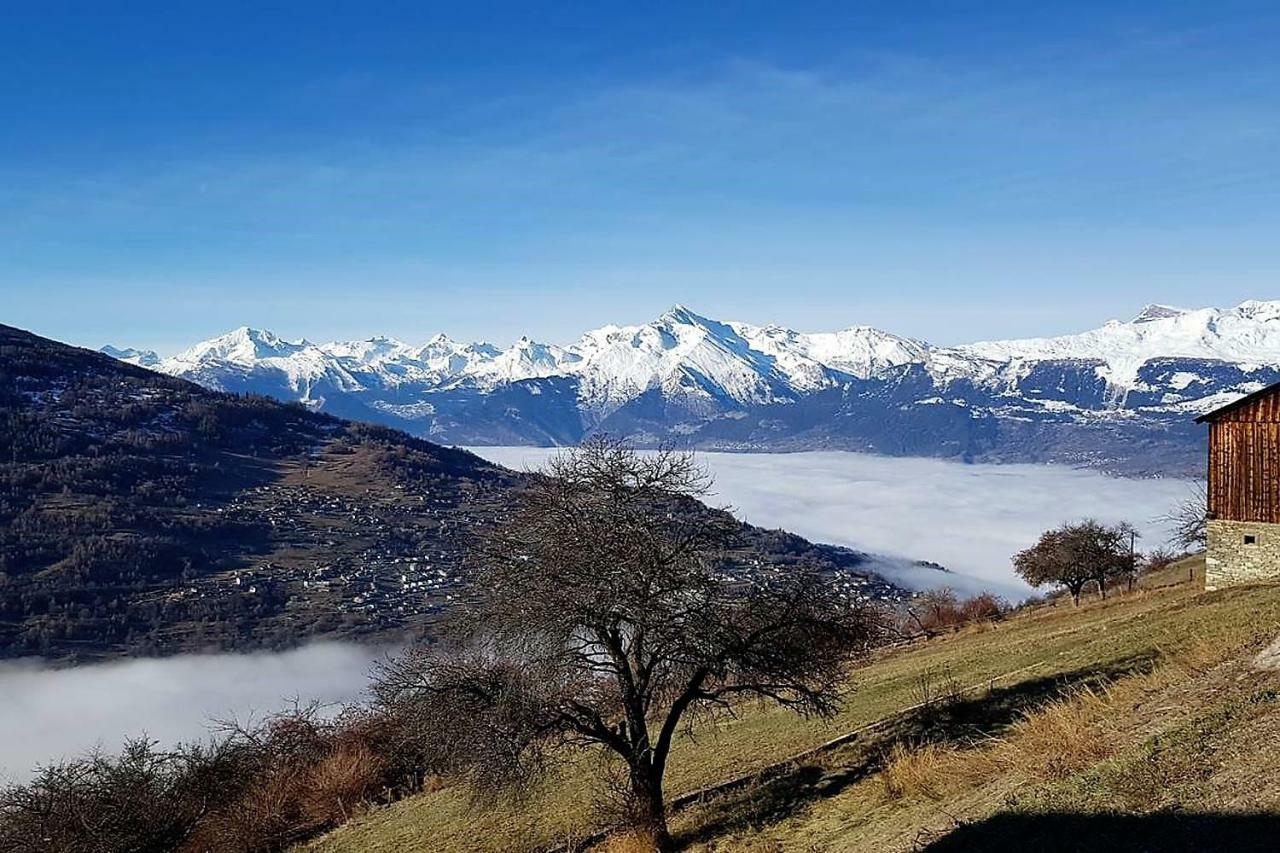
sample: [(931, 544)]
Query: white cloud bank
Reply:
[(969, 518), (46, 713)]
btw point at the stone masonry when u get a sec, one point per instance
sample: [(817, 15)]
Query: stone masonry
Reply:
[(1242, 552)]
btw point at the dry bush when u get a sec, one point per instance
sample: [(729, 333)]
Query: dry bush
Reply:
[(310, 774), (1159, 559), (1064, 736), (983, 607), (932, 770), (288, 802), (914, 772), (936, 689), (257, 787), (401, 737), (340, 783), (938, 611), (255, 820), (143, 799)]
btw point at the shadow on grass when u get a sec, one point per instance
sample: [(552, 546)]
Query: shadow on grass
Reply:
[(1167, 832), (956, 721)]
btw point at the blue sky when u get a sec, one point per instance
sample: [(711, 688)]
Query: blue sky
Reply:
[(949, 170)]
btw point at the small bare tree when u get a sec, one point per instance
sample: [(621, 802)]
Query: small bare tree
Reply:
[(1118, 558), (1075, 555), (932, 611), (605, 614), (1189, 520)]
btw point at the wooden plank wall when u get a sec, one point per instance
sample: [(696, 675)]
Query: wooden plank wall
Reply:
[(1244, 462)]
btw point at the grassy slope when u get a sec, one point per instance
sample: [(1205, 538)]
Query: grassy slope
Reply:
[(1159, 645)]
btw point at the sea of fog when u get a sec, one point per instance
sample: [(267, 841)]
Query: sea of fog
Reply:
[(48, 713), (970, 518)]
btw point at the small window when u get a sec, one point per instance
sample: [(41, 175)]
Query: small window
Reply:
[(1250, 539)]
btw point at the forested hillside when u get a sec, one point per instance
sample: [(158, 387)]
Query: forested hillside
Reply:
[(143, 514)]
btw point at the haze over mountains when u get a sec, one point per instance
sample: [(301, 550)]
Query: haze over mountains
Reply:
[(1121, 396)]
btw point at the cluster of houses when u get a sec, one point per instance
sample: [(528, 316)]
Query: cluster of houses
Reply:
[(390, 560)]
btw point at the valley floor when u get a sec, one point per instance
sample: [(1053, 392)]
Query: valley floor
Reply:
[(1140, 723)]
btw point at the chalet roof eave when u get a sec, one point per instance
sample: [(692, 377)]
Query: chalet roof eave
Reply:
[(1243, 401)]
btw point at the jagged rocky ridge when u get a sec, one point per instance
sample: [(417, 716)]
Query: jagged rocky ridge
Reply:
[(1121, 397)]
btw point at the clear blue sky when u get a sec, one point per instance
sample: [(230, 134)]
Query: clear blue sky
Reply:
[(951, 170)]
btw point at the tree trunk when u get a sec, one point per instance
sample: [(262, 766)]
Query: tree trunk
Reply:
[(649, 811), (1075, 595)]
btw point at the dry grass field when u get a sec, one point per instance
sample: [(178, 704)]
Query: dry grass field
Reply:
[(1135, 723)]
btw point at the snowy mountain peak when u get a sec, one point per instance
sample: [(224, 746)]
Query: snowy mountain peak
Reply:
[(1260, 310), (129, 355), (680, 315), (1247, 334), (243, 346), (694, 369), (372, 351), (1158, 312)]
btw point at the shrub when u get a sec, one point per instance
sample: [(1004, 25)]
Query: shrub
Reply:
[(143, 799), (348, 776), (983, 607), (309, 773), (262, 787), (938, 610)]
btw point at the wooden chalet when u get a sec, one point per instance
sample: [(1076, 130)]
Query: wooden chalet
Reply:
[(1244, 490)]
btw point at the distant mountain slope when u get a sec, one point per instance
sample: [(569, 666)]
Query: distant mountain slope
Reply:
[(141, 513), (1120, 397)]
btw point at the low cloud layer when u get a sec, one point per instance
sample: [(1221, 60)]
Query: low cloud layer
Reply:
[(969, 518), (46, 714)]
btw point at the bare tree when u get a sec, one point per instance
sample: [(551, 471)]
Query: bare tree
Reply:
[(933, 610), (1075, 555), (1189, 519), (604, 614), (1117, 554)]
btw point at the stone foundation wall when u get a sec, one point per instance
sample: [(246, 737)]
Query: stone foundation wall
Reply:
[(1231, 559)]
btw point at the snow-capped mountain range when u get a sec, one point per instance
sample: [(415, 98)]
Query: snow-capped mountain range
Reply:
[(1120, 396)]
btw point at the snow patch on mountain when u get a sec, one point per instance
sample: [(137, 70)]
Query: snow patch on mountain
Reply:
[(129, 355), (1247, 335), (1157, 312), (687, 377), (685, 352), (682, 352)]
